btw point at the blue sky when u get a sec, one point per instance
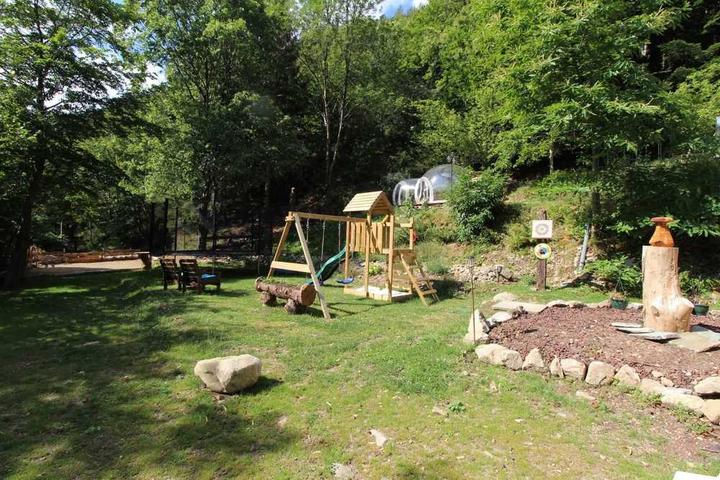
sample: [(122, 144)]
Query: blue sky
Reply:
[(390, 8)]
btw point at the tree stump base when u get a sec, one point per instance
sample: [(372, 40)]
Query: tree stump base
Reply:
[(664, 307)]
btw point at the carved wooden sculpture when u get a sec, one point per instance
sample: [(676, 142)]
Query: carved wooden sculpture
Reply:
[(664, 307)]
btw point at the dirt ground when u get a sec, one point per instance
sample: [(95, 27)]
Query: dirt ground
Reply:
[(586, 334), (80, 268)]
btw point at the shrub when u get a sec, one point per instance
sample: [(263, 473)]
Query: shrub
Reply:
[(474, 200), (619, 272), (433, 224), (697, 288)]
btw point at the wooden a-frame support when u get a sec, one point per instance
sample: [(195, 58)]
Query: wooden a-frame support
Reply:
[(308, 267)]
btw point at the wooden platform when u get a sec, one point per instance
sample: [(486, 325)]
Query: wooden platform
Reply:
[(377, 293)]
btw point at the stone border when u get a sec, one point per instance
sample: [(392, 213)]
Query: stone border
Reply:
[(598, 373), (703, 399)]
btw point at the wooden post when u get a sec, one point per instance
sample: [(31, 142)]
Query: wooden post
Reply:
[(541, 280), (281, 244), (391, 257), (368, 233), (347, 250), (311, 267)]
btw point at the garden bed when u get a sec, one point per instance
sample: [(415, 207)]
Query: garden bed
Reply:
[(587, 335)]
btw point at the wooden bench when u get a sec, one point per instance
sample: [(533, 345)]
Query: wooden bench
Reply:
[(195, 278), (170, 273)]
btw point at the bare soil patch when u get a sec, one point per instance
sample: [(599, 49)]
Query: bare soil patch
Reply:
[(586, 334)]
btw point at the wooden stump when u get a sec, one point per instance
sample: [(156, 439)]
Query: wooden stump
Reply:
[(268, 299), (664, 307), (294, 307)]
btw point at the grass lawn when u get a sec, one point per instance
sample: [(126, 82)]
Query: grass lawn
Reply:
[(97, 383)]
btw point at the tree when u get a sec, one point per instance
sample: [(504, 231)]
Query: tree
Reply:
[(219, 54), (59, 62), (332, 43)]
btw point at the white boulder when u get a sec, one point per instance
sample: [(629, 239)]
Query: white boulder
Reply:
[(573, 368), (708, 387), (229, 374), (534, 361), (691, 402), (711, 409), (627, 376), (599, 373), (498, 355), (555, 368)]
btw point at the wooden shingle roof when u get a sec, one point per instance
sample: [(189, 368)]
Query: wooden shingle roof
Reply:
[(376, 203)]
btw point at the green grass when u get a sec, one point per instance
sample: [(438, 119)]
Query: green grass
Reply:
[(97, 383)]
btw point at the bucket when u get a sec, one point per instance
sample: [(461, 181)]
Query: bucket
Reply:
[(618, 303), (701, 309)]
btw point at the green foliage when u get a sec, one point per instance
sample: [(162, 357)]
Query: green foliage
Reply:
[(457, 407), (698, 288), (433, 224), (684, 188), (619, 272), (474, 200), (375, 269)]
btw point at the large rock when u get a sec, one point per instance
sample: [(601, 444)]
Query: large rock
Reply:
[(500, 317), (498, 355), (229, 374), (649, 386), (573, 368), (711, 409), (708, 387), (599, 373), (691, 402), (505, 297), (534, 361), (627, 376), (652, 387), (555, 368), (481, 329)]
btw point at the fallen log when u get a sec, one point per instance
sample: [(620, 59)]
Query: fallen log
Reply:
[(297, 296)]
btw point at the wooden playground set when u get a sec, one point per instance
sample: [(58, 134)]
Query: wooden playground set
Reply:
[(375, 233)]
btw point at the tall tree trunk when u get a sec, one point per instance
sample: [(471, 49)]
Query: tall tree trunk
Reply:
[(551, 159), (177, 215), (151, 228), (266, 224), (165, 237), (202, 225), (18, 261)]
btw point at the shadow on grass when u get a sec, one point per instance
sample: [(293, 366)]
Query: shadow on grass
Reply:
[(87, 387)]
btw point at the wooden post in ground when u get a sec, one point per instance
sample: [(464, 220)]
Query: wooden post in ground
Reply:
[(311, 267), (348, 225), (391, 257), (541, 280), (368, 234)]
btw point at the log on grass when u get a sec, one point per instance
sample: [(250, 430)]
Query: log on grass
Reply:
[(300, 294), (664, 307)]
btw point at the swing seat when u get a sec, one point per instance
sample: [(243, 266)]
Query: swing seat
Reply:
[(345, 281)]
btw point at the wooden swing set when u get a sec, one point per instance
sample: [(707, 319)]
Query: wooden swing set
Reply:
[(365, 236)]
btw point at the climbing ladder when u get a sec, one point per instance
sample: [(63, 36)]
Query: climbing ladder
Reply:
[(420, 284)]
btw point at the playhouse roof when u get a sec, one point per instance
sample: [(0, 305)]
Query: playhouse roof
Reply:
[(372, 202)]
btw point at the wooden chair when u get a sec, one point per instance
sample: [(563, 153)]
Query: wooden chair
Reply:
[(170, 272), (195, 278)]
